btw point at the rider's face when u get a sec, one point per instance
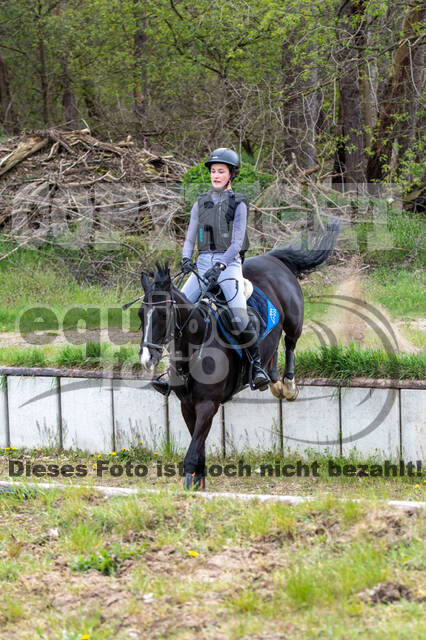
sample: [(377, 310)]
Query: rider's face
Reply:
[(219, 175)]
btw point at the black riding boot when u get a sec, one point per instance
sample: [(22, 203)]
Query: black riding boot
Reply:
[(248, 339), (178, 379), (163, 386)]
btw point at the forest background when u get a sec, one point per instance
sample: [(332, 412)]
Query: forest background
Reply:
[(334, 86)]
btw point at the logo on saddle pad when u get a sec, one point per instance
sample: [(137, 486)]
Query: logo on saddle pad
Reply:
[(273, 315)]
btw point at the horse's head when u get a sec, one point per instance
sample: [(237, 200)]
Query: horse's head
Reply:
[(156, 316)]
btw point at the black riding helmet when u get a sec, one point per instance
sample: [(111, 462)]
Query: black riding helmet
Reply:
[(225, 156)]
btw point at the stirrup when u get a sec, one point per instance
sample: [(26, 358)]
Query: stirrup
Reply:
[(259, 386)]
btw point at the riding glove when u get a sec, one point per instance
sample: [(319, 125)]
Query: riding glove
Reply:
[(214, 272), (187, 266)]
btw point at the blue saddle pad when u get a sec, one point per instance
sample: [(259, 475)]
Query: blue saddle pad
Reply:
[(266, 310), (268, 313)]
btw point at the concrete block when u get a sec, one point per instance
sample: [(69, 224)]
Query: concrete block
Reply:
[(370, 422), (33, 411), (3, 413), (312, 422), (252, 421), (87, 414), (413, 424), (179, 433), (139, 415)]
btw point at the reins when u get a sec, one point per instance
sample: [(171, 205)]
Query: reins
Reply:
[(170, 329)]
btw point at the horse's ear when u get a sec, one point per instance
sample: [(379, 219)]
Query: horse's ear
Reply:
[(145, 281)]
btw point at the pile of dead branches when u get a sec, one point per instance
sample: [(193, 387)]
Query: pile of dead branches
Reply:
[(54, 180)]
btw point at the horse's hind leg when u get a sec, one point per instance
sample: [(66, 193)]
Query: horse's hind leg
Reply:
[(275, 384), (289, 388)]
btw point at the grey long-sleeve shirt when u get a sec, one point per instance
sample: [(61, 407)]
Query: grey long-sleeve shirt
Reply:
[(238, 231)]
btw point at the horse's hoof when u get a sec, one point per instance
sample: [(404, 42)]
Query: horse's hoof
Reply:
[(276, 389), (187, 482), (194, 482), (290, 389), (199, 483)]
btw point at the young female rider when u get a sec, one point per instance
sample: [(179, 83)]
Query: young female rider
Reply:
[(218, 222)]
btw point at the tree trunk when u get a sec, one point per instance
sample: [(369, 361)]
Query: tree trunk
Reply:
[(139, 44), (351, 151), (8, 117), (414, 92), (398, 90), (94, 113), (71, 114), (368, 85), (301, 112), (43, 77)]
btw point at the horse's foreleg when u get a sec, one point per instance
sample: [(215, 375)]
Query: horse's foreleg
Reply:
[(197, 481), (195, 459)]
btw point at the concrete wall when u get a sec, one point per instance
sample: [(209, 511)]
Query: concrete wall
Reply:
[(252, 421), (312, 422), (140, 415), (100, 415), (33, 411), (87, 417), (4, 436), (413, 424), (370, 422)]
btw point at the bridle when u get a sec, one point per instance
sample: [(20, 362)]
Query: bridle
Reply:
[(170, 328)]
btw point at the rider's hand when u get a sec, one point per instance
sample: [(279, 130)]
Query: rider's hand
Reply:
[(214, 272), (186, 265)]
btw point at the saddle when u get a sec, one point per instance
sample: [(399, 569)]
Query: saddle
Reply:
[(224, 314), (265, 316)]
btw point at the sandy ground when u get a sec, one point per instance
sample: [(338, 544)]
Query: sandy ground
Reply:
[(361, 323), (58, 338)]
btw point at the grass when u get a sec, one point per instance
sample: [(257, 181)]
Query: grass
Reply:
[(343, 363), (107, 562), (90, 356), (401, 291), (61, 281), (323, 581), (258, 569), (369, 479), (339, 363)]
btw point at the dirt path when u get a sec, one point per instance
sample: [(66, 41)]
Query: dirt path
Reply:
[(350, 318), (350, 326), (112, 335)]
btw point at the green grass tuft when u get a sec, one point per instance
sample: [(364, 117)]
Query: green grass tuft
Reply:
[(343, 363)]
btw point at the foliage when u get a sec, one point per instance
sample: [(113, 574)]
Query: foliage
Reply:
[(104, 561), (189, 77)]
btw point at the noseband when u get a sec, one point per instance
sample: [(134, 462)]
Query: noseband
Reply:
[(169, 329)]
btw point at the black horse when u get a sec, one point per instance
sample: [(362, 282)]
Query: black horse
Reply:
[(205, 369)]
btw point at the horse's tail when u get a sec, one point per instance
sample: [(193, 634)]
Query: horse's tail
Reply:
[(301, 259)]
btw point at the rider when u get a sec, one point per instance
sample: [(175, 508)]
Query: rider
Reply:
[(218, 222)]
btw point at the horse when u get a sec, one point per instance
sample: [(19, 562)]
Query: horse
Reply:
[(205, 370)]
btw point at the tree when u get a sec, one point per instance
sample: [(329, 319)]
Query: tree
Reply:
[(8, 117), (404, 83)]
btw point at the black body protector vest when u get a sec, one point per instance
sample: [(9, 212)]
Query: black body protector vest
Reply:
[(216, 222)]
